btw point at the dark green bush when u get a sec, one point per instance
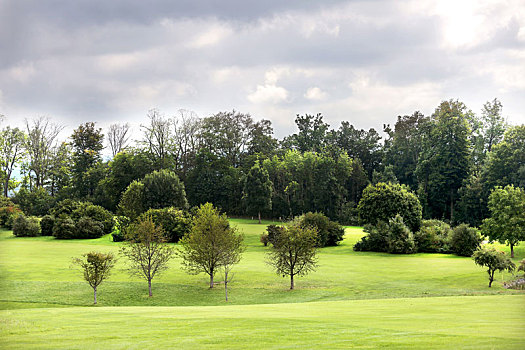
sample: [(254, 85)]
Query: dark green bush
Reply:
[(375, 240), (176, 223), (26, 226), (46, 225), (382, 202), (64, 227), (273, 233), (67, 207), (400, 240), (465, 240), (7, 215), (329, 233), (86, 227), (96, 213), (36, 202), (433, 237), (163, 189)]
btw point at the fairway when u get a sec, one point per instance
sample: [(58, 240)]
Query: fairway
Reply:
[(354, 299)]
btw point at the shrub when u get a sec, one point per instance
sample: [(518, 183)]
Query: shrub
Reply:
[(86, 227), (132, 200), (26, 227), (46, 225), (433, 237), (465, 240), (382, 202), (375, 240), (7, 214), (175, 223), (120, 228), (66, 206), (164, 189), (400, 240), (36, 202), (64, 227), (273, 233), (96, 213), (329, 233), (264, 239)]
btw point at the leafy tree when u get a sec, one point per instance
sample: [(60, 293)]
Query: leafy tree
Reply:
[(147, 250), (383, 202), (164, 189), (37, 202), (312, 132), (11, 153), (211, 243), (329, 233), (507, 221), (465, 240), (494, 261), (294, 252), (96, 267), (176, 223), (444, 160), (87, 145), (472, 204), (400, 240), (258, 191)]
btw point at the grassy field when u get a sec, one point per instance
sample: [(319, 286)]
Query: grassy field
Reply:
[(353, 299)]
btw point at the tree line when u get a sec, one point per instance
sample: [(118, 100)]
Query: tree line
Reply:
[(451, 159)]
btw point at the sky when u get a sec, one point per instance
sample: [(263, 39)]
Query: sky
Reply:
[(362, 61)]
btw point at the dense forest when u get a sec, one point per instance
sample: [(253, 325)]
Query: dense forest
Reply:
[(451, 160)]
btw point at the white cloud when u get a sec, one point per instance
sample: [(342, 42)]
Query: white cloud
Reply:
[(268, 93), (316, 94)]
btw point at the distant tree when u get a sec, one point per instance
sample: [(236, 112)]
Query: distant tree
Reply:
[(11, 153), (163, 189), (211, 243), (147, 250), (383, 202), (507, 220), (294, 252), (87, 147), (312, 133), (494, 124), (258, 191), (494, 261), (117, 137), (96, 267), (41, 139), (261, 140), (186, 128)]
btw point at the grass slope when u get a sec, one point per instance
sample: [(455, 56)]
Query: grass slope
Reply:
[(443, 322)]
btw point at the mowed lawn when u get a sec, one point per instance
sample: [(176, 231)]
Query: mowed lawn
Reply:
[(354, 299)]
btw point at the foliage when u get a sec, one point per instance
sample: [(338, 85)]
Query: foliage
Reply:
[(37, 202), (12, 151), (175, 223), (258, 191), (66, 206), (46, 225), (26, 226), (96, 267), (400, 239), (494, 261), (507, 221), (211, 243), (146, 250), (382, 202), (87, 227), (329, 233), (465, 240), (132, 201), (273, 233), (7, 215), (433, 237), (122, 224), (294, 252), (163, 189), (375, 240), (64, 227), (264, 239)]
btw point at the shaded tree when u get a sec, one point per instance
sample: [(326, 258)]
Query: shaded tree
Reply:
[(311, 134), (494, 261), (163, 189), (96, 267), (258, 191)]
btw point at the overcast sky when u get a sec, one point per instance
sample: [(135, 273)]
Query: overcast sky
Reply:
[(361, 61)]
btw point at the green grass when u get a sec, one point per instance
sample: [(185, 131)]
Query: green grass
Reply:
[(39, 290)]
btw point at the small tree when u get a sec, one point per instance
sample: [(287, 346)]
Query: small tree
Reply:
[(507, 221), (147, 250), (494, 261), (258, 191), (294, 252), (210, 244), (96, 267)]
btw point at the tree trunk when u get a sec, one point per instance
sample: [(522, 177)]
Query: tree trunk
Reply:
[(291, 281), (226, 284), (211, 280), (259, 216), (512, 250), (451, 205), (491, 278), (149, 285), (95, 295)]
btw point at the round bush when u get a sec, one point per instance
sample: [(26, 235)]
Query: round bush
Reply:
[(465, 240), (433, 237), (382, 202), (96, 213), (400, 240), (26, 227), (8, 214), (164, 189), (176, 223), (64, 227), (329, 233), (66, 206), (86, 227), (132, 201), (46, 225)]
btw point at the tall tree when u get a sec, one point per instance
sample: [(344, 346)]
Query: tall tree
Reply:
[(87, 146), (158, 140), (118, 137), (41, 139), (211, 243), (11, 153), (445, 159), (147, 250), (186, 128), (258, 191), (312, 133)]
